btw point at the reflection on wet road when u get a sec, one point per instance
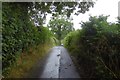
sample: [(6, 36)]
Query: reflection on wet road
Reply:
[(51, 69), (59, 65)]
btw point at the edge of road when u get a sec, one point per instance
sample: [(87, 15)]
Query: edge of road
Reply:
[(36, 70)]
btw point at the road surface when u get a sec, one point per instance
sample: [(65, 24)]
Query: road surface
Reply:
[(57, 65)]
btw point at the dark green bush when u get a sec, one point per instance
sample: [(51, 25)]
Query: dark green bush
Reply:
[(96, 48), (18, 34)]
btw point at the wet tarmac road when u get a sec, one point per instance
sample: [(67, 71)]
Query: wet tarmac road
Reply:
[(51, 68), (59, 65)]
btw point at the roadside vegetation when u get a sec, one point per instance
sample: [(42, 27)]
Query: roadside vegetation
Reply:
[(96, 48), (23, 43), (24, 38)]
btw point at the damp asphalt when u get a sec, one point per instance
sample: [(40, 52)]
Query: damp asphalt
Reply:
[(58, 64)]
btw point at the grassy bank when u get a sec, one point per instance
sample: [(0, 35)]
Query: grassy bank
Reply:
[(20, 37), (25, 62)]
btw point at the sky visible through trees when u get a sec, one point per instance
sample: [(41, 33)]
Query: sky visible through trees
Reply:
[(92, 40), (105, 7)]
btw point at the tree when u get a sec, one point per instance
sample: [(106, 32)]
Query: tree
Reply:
[(60, 27), (39, 10), (18, 32)]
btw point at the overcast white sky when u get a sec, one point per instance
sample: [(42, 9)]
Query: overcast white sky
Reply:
[(105, 7)]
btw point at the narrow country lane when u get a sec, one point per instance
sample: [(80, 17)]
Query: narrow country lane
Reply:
[(51, 68), (67, 68), (57, 64)]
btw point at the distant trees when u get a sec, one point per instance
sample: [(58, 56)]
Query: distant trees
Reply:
[(96, 48), (19, 32), (60, 26)]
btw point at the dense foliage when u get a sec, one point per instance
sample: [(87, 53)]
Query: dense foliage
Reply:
[(19, 34), (96, 48), (60, 26), (39, 10)]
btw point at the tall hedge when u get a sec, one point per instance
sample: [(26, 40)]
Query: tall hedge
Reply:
[(96, 48), (18, 33)]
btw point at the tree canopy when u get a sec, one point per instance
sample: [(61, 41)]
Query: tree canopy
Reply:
[(60, 27), (20, 32), (38, 10)]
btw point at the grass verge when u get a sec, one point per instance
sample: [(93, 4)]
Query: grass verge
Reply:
[(27, 60)]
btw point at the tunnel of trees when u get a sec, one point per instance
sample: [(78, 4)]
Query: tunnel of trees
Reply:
[(95, 48), (23, 31)]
